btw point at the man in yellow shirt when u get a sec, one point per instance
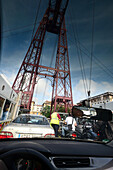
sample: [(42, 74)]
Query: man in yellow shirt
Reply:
[(55, 117)]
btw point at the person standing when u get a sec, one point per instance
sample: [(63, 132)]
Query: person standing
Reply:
[(55, 118)]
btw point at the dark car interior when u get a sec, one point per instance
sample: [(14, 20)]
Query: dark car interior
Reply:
[(55, 154)]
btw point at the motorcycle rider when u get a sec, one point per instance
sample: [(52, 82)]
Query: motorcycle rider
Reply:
[(71, 124)]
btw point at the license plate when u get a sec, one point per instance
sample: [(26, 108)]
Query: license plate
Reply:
[(29, 135)]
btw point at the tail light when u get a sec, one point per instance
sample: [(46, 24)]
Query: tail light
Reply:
[(74, 135), (5, 135), (98, 134), (49, 135)]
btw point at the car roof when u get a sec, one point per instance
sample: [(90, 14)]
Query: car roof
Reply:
[(62, 113), (31, 115)]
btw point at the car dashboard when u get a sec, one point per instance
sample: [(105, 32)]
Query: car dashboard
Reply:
[(34, 154)]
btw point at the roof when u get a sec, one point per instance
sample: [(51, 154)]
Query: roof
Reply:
[(4, 77), (103, 94), (47, 101)]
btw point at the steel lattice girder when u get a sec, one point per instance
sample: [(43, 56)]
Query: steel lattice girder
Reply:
[(62, 90), (30, 69)]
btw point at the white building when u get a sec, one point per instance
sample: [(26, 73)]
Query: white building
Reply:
[(35, 109), (104, 100), (8, 98)]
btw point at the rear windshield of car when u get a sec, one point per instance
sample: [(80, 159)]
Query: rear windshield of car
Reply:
[(31, 120)]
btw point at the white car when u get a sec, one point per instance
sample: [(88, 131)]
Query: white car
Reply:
[(28, 126)]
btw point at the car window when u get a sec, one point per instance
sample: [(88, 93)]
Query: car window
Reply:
[(31, 120)]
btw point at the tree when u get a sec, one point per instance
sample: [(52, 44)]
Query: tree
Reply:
[(62, 109), (46, 111)]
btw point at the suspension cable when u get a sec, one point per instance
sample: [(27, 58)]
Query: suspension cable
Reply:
[(36, 18), (21, 27), (92, 48), (53, 54), (8, 36), (101, 65), (79, 54), (95, 59)]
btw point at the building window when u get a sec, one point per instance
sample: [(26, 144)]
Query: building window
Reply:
[(11, 111), (1, 104), (3, 87), (6, 110)]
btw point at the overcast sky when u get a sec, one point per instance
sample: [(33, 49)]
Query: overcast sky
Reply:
[(18, 17)]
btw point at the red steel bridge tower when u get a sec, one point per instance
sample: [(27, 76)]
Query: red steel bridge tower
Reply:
[(53, 21)]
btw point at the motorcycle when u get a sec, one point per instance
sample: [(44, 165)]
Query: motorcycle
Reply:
[(104, 131), (98, 128), (83, 131)]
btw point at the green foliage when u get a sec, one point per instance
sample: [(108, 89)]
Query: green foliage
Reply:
[(68, 110), (61, 109), (46, 110)]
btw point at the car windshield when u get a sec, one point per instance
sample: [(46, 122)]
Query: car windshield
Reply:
[(56, 69)]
